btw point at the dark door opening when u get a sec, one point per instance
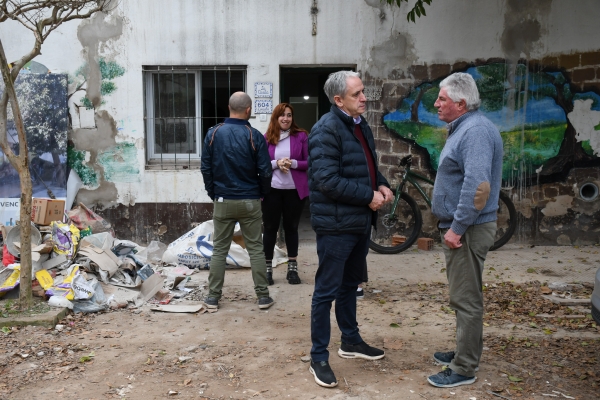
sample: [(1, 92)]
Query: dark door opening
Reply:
[(302, 87)]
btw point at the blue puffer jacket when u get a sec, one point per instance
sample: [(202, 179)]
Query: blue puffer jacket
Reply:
[(338, 176), (235, 161)]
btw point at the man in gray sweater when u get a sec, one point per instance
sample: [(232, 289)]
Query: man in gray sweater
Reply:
[(465, 200)]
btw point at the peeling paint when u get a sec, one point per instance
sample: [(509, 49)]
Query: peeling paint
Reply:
[(395, 53), (95, 141), (120, 163), (77, 161), (91, 33), (101, 138), (585, 120), (558, 207), (104, 196), (523, 26), (563, 240)]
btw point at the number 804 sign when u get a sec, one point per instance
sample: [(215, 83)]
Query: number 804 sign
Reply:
[(263, 106)]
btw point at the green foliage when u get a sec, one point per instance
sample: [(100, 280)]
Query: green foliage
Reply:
[(120, 163), (76, 161), (568, 95), (427, 136), (109, 70), (107, 88), (87, 103), (43, 106), (539, 143), (491, 86), (416, 12), (430, 97), (587, 147)]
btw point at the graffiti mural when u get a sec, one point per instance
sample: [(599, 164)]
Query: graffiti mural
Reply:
[(547, 128), (43, 104)]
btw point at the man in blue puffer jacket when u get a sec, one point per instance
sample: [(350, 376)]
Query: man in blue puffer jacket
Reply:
[(346, 190), (237, 174)]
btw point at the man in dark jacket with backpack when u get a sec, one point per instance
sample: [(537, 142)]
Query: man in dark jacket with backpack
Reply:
[(346, 190), (237, 174)]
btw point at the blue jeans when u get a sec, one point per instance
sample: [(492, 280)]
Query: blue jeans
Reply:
[(342, 260)]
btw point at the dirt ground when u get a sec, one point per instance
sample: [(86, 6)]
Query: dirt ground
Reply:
[(242, 352)]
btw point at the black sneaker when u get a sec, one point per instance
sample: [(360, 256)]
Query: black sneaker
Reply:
[(445, 358), (211, 302), (360, 294), (324, 376), (360, 350), (448, 378), (265, 302)]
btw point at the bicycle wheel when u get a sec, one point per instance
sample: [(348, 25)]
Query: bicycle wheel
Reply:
[(391, 229), (507, 221)]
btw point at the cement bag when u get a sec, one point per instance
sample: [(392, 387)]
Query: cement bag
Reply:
[(82, 289), (82, 217), (194, 249), (65, 238)]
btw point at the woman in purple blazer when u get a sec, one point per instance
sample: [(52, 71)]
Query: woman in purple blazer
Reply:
[(288, 148)]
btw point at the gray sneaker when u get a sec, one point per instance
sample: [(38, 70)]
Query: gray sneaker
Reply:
[(445, 358), (265, 302)]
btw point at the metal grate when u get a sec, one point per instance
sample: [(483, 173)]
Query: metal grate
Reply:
[(181, 105)]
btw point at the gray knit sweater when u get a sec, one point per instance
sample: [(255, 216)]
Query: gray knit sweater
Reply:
[(469, 175)]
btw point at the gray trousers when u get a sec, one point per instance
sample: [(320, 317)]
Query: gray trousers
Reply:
[(464, 269)]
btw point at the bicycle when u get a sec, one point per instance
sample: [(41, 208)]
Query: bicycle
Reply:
[(400, 221)]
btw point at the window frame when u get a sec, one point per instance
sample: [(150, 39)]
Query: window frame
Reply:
[(178, 160)]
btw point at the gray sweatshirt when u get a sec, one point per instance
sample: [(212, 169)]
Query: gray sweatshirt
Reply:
[(467, 185)]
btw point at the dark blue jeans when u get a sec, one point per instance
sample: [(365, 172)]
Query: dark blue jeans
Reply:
[(342, 260)]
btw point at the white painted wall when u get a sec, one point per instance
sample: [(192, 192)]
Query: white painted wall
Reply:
[(263, 34)]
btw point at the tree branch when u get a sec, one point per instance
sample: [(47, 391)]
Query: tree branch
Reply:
[(9, 89)]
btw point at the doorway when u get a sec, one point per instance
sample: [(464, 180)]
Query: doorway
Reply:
[(302, 87)]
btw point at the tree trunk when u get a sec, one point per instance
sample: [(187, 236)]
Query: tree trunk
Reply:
[(25, 297), (414, 108), (21, 164)]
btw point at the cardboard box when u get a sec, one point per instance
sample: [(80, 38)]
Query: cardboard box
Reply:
[(44, 211)]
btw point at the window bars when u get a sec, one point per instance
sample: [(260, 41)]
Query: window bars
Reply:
[(181, 104)]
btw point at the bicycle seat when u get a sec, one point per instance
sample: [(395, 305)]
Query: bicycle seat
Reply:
[(406, 160)]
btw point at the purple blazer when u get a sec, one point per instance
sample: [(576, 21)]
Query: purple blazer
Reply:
[(298, 152)]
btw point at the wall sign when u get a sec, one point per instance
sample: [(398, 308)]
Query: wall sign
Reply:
[(263, 106), (263, 89)]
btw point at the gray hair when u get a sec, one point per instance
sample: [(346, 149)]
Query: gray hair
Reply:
[(239, 102), (336, 84), (461, 86)]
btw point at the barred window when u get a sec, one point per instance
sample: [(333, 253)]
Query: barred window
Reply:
[(181, 104)]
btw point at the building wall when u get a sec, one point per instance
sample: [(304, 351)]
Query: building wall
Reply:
[(104, 56)]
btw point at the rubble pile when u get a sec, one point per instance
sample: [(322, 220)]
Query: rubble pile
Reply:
[(79, 264)]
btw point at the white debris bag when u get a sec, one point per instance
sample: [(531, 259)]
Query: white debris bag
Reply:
[(82, 289), (195, 248)]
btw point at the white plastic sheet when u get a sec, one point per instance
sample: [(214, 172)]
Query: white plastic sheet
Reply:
[(194, 249)]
